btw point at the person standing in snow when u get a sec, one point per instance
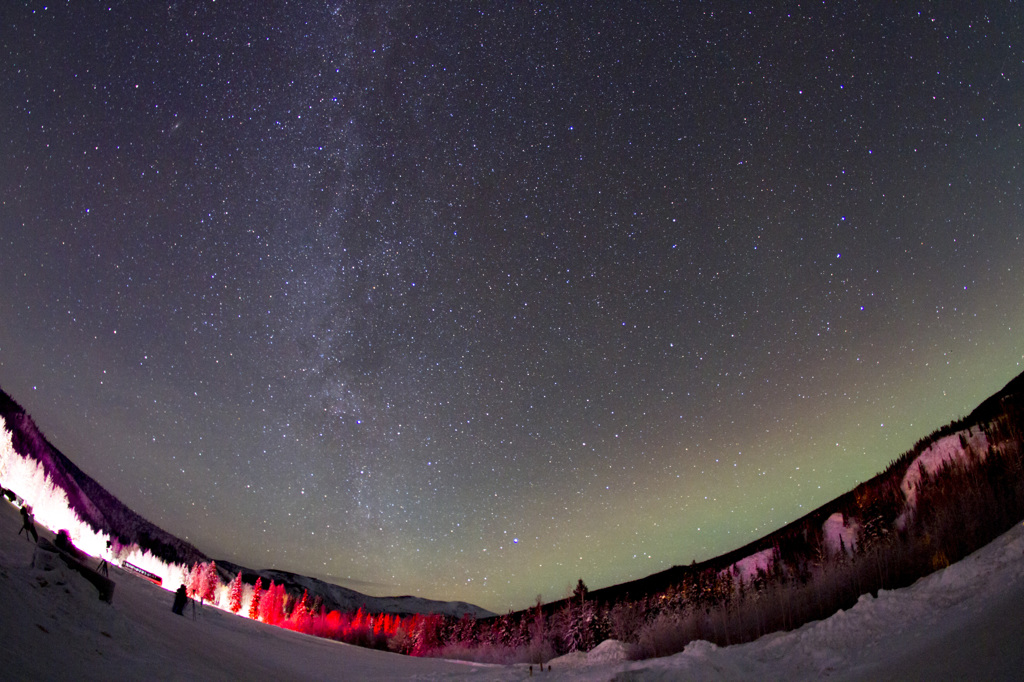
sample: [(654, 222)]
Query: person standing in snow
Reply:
[(180, 599), (27, 524), (102, 567)]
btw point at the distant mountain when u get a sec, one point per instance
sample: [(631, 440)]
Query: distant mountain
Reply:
[(344, 600), (105, 513)]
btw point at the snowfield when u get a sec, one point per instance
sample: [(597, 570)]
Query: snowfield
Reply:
[(964, 622)]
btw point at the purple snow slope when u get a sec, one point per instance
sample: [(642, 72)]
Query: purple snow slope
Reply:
[(90, 500)]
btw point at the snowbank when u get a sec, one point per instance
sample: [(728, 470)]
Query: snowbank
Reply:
[(607, 652), (948, 449), (840, 535), (747, 568)]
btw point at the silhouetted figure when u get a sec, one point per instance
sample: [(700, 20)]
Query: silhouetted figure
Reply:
[(63, 542), (27, 524), (180, 599), (102, 568)]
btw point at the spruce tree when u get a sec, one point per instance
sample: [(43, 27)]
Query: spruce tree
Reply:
[(274, 604), (581, 591), (235, 594), (254, 605), (195, 577), (266, 604), (210, 582)]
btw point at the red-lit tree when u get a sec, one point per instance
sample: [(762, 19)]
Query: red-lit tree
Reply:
[(272, 605), (358, 620), (210, 582), (280, 604), (235, 594), (254, 605), (265, 603), (194, 582), (428, 634), (301, 618)]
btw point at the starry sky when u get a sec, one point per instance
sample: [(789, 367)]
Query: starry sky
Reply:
[(471, 300)]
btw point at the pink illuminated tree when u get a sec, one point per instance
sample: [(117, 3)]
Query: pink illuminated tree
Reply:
[(254, 605), (194, 582), (272, 605), (280, 604), (235, 594), (265, 601), (209, 582)]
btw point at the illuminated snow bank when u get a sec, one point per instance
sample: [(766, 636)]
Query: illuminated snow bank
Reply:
[(957, 448), (48, 503), (748, 568), (840, 535)]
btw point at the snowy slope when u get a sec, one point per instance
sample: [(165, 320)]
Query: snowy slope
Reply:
[(957, 447), (963, 622), (91, 502)]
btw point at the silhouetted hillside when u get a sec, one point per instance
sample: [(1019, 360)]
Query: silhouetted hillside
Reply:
[(103, 512), (92, 502), (342, 599), (876, 504)]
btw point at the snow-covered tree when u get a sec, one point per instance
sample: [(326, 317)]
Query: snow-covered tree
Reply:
[(193, 586), (464, 632), (254, 605), (235, 594), (577, 621), (266, 600), (428, 634), (272, 604), (210, 582), (28, 479)]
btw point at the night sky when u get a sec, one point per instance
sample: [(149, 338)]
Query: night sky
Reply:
[(472, 300)]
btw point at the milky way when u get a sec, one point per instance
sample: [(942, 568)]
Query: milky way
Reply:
[(473, 301)]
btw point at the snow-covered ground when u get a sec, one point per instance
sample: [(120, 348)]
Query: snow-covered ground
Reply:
[(965, 622)]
